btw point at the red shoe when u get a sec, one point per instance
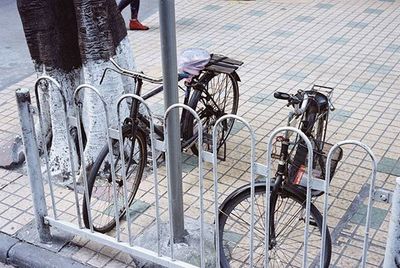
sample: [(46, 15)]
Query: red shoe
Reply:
[(136, 25)]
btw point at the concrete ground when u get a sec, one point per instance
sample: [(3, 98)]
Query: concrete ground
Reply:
[(353, 46)]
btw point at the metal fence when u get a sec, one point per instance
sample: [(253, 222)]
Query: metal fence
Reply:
[(76, 227)]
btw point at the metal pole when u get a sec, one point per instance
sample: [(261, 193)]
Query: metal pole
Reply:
[(33, 162), (170, 77), (392, 253)]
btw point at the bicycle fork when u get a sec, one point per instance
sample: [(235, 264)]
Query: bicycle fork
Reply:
[(279, 179)]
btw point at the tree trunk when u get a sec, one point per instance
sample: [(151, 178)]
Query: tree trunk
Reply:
[(59, 151), (74, 39)]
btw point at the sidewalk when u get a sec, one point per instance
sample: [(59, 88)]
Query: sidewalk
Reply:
[(353, 46)]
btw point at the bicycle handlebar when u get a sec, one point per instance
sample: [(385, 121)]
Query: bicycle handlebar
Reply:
[(303, 98), (282, 95), (295, 100), (303, 107), (133, 74)]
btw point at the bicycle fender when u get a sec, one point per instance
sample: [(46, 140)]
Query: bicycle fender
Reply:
[(242, 189), (236, 76)]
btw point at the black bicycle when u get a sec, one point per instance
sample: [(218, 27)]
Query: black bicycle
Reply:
[(287, 194), (212, 93)]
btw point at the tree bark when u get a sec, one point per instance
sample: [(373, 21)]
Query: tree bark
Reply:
[(74, 40)]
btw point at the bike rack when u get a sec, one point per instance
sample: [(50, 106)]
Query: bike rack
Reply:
[(310, 181), (112, 134), (214, 161), (260, 169), (154, 164), (109, 140), (370, 197), (46, 78), (201, 178), (73, 120)]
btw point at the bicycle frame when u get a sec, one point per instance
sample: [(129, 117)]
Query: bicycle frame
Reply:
[(218, 64), (135, 117), (309, 111)]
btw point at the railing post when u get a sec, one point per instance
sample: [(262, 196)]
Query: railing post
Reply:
[(392, 253), (33, 162), (170, 78)]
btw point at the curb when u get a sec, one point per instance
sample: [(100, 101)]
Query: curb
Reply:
[(7, 242), (22, 254)]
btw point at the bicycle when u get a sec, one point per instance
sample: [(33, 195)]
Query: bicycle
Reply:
[(211, 93), (287, 193)]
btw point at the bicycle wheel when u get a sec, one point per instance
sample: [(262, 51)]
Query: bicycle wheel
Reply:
[(102, 205), (287, 220), (223, 98)]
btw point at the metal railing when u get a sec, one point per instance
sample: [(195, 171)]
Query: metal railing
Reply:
[(115, 134)]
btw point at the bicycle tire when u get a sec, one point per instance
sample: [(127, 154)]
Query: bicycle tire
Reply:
[(233, 233), (189, 124), (101, 175)]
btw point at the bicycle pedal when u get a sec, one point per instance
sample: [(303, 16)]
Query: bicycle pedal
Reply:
[(312, 222)]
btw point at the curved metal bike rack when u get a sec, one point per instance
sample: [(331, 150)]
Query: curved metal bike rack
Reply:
[(73, 120), (44, 77), (78, 104), (371, 191), (154, 164), (215, 175), (201, 177), (268, 186)]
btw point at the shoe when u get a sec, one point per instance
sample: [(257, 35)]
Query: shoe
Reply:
[(136, 25)]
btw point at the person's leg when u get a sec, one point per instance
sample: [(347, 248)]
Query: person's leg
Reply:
[(134, 23), (135, 9), (123, 4)]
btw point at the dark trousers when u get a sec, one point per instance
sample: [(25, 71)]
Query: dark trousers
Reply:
[(134, 7)]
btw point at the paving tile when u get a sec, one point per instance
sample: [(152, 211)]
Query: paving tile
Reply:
[(374, 11), (266, 99), (324, 6), (282, 33), (341, 115), (99, 260), (377, 216), (137, 208), (355, 24), (338, 40), (389, 166), (379, 68), (396, 170), (294, 75), (200, 43), (304, 18), (11, 228), (185, 21), (117, 264), (315, 58), (362, 87), (232, 26), (257, 13), (258, 49), (393, 48), (212, 7), (237, 126), (83, 255)]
